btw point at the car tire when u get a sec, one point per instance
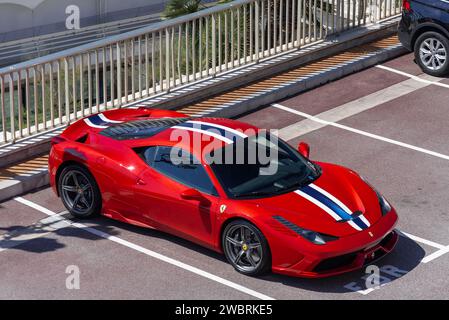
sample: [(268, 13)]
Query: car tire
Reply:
[(251, 255), (430, 48), (79, 192)]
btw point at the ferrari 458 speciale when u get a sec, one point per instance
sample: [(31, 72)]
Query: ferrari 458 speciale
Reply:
[(202, 179)]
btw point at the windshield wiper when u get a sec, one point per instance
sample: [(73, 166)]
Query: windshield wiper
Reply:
[(253, 193)]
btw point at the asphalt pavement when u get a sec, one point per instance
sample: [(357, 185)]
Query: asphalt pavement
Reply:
[(389, 123)]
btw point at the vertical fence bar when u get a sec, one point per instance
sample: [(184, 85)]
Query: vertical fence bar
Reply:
[(139, 66), (153, 63), (161, 63), (89, 82), (19, 104), (251, 31), (244, 34), (125, 70), (287, 19), (194, 49), (200, 45), (187, 52), (105, 81), (281, 18), (298, 22), (58, 76), (172, 55), (27, 100), (214, 43), (292, 28), (82, 85), (180, 73), (66, 90), (207, 46), (52, 106), (167, 57), (97, 81), (119, 74), (220, 48), (147, 65), (133, 70), (256, 29), (2, 105), (11, 108), (232, 39), (269, 34), (112, 76), (44, 105)]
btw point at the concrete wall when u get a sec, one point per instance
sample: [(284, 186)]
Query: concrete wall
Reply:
[(27, 18)]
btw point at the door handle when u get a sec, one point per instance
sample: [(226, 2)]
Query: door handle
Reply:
[(141, 182)]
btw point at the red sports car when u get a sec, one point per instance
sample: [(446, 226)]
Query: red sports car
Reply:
[(225, 185)]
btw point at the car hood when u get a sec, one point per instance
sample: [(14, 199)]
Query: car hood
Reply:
[(310, 208)]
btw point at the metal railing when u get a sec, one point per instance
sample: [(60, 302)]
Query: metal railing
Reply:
[(57, 89)]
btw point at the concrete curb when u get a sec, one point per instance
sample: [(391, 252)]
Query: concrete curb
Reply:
[(306, 84), (12, 188)]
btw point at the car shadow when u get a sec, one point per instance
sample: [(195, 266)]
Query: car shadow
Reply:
[(404, 258)]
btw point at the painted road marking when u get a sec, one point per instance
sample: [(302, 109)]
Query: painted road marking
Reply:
[(424, 241), (353, 107), (429, 79), (361, 132), (436, 255), (148, 252)]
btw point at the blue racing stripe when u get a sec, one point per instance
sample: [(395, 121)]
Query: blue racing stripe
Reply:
[(360, 223), (333, 206), (96, 120)]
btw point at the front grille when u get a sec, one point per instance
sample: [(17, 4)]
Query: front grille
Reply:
[(386, 240), (335, 262)]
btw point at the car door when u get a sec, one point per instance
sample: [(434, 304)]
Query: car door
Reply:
[(178, 197)]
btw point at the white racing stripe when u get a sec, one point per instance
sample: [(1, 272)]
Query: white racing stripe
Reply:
[(236, 132), (319, 204), (363, 133), (208, 133), (103, 117), (150, 253)]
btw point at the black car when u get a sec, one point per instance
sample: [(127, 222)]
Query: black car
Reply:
[(424, 29)]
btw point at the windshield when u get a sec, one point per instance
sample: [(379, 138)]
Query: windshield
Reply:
[(259, 166)]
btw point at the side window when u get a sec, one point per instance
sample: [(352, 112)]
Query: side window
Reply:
[(181, 166)]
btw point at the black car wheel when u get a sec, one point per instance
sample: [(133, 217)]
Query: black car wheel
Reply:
[(431, 53), (246, 248), (79, 192)]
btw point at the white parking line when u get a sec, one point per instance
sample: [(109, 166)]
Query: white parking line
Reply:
[(361, 132), (430, 79), (436, 255), (424, 241), (148, 252)]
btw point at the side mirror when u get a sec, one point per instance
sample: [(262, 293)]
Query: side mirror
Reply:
[(192, 194), (304, 149)]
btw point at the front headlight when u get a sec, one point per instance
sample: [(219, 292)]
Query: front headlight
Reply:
[(385, 207), (312, 236)]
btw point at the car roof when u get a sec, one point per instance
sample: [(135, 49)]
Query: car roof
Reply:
[(193, 134)]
